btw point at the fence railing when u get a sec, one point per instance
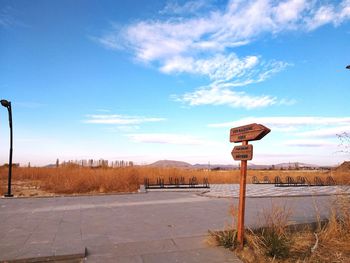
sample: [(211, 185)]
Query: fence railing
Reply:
[(298, 181), (175, 183)]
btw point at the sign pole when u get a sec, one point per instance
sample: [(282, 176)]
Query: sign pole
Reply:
[(243, 153), (242, 188)]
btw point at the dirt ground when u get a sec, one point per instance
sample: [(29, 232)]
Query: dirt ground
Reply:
[(24, 188)]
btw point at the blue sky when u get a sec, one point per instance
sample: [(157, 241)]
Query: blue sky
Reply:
[(150, 80)]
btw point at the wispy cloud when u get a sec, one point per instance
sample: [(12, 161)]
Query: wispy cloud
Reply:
[(227, 73), (190, 7), (119, 119), (204, 44), (167, 138), (325, 132), (230, 69), (304, 131), (9, 17), (238, 24), (286, 121), (309, 143), (328, 13), (225, 96), (6, 18)]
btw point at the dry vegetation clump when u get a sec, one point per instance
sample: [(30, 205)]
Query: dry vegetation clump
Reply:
[(281, 243), (86, 180), (334, 237)]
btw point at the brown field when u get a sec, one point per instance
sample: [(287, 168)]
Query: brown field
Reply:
[(84, 180)]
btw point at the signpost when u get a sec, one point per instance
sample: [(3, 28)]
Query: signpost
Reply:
[(244, 152)]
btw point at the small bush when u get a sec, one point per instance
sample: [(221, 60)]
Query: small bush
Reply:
[(226, 238), (276, 245)]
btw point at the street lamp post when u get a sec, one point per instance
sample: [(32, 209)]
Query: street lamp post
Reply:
[(7, 104)]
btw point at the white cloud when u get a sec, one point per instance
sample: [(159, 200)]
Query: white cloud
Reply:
[(345, 11), (166, 138), (189, 7), (227, 72), (287, 121), (309, 143), (329, 14), (203, 44), (289, 11), (324, 15), (219, 67), (119, 119), (240, 22), (224, 96), (325, 132)]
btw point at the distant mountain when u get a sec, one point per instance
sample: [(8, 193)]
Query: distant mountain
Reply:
[(171, 163), (215, 166), (252, 166), (50, 166)]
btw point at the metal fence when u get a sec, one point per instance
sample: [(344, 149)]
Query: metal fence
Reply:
[(176, 183)]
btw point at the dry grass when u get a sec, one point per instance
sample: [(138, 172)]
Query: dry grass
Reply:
[(280, 243), (75, 179)]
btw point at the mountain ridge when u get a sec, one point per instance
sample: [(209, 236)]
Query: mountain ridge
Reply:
[(181, 164)]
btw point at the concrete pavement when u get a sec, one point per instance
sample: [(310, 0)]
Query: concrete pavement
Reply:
[(269, 190), (153, 227)]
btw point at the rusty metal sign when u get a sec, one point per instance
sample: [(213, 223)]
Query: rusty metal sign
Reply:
[(250, 132), (242, 152)]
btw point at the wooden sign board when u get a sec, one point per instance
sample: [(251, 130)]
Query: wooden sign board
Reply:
[(242, 152), (250, 132)]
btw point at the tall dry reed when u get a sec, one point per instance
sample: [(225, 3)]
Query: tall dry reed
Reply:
[(76, 179)]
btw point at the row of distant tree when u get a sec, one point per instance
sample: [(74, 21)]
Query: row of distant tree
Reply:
[(95, 163)]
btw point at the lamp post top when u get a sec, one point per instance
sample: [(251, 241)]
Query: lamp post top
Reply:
[(5, 103)]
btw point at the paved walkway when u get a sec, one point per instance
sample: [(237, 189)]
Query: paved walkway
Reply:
[(152, 227), (270, 190)]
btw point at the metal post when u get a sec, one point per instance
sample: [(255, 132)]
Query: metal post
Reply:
[(8, 106), (241, 208)]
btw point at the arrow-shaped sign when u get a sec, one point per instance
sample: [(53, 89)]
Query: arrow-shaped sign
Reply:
[(242, 152), (250, 132)]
